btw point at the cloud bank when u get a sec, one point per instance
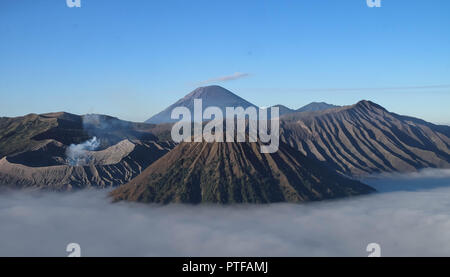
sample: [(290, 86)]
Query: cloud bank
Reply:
[(404, 222)]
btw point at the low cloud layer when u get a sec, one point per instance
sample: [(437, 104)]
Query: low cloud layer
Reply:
[(409, 222)]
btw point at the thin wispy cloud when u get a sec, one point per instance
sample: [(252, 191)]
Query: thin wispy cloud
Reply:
[(232, 77), (375, 88)]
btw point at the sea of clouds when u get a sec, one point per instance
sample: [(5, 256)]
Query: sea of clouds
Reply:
[(409, 217)]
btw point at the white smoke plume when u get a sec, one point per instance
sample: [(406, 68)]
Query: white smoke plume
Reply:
[(78, 154)]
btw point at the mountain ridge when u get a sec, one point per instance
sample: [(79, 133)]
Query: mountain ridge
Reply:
[(365, 138)]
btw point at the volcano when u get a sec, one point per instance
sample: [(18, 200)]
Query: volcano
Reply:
[(34, 148), (226, 173), (216, 96)]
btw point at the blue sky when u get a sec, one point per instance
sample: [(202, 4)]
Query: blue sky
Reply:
[(131, 59)]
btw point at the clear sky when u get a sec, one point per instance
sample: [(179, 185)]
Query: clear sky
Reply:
[(131, 59)]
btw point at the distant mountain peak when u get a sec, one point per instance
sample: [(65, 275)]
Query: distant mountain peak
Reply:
[(210, 95), (316, 106), (210, 91)]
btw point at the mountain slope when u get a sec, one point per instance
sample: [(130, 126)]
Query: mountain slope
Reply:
[(365, 138), (34, 150), (18, 134), (236, 173), (114, 166), (210, 95)]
